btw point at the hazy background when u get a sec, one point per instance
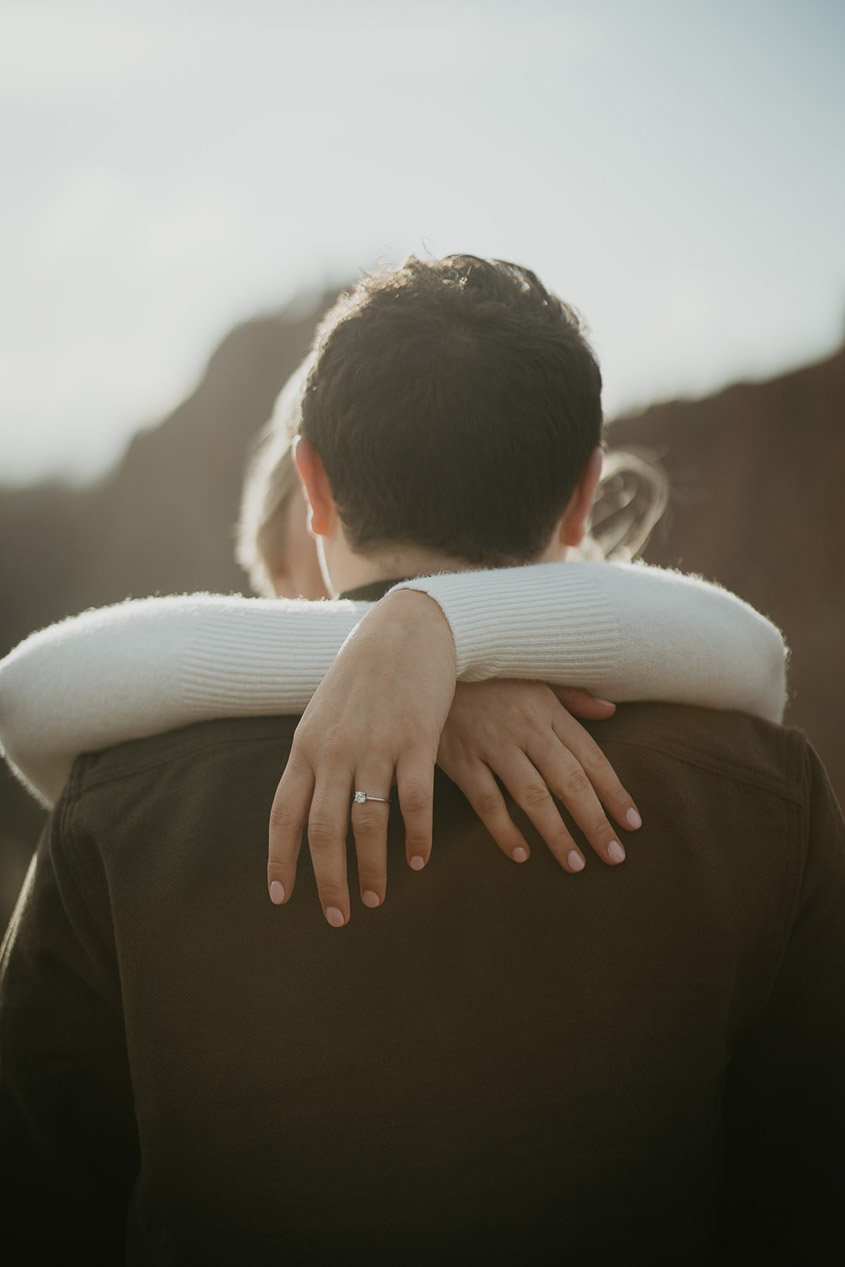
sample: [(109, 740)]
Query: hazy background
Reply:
[(672, 167), (192, 180)]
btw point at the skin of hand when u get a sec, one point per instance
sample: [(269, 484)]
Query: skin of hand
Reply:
[(375, 720), (386, 712), (521, 733)]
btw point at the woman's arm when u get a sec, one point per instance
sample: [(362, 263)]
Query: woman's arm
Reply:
[(621, 631), (146, 666)]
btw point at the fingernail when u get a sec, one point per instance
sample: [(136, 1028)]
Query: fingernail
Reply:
[(277, 893), (369, 898), (335, 917), (608, 703), (576, 862), (520, 854), (417, 862), (633, 819), (615, 852)]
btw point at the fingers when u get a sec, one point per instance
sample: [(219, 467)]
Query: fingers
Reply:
[(600, 775), (287, 822), (415, 786), (331, 810), (369, 826), (572, 786), (521, 734), (328, 824), (530, 788), (388, 695), (370, 819), (482, 791)]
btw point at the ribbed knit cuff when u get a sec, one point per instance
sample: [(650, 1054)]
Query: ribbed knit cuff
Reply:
[(547, 621)]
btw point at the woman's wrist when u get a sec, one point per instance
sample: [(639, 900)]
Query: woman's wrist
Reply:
[(418, 617)]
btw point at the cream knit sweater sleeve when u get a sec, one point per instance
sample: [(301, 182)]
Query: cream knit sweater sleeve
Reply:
[(622, 630), (145, 666)]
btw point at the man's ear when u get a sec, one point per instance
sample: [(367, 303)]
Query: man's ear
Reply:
[(315, 482), (573, 525)]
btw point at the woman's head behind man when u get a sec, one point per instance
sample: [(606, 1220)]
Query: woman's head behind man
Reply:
[(274, 545)]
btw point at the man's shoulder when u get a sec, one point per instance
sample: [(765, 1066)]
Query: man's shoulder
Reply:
[(732, 746), (185, 747)]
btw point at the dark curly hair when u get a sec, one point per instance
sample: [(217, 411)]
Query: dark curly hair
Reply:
[(454, 404)]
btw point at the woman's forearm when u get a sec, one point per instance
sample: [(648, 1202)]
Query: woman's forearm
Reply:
[(625, 631), (150, 665)]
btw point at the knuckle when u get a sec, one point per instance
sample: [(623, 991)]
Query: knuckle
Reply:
[(598, 767), (321, 833), (594, 767), (535, 794), (597, 764), (488, 804), (283, 817), (574, 782), (599, 830), (368, 820), (415, 800), (302, 754)]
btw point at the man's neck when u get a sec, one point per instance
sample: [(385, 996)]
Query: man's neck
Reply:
[(346, 570)]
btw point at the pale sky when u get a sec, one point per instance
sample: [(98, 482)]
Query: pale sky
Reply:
[(672, 167)]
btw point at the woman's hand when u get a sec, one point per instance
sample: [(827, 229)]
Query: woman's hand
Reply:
[(521, 733), (375, 720)]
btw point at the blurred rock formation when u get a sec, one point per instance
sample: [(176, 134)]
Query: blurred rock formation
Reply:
[(755, 503)]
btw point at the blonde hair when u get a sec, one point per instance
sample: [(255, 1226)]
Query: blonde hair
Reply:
[(632, 495), (270, 482)]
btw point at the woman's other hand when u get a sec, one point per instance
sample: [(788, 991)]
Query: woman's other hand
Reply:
[(521, 733)]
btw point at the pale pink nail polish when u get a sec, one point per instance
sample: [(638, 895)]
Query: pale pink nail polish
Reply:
[(615, 852), (633, 819), (335, 917), (277, 893), (575, 861), (520, 854), (369, 898), (417, 862)]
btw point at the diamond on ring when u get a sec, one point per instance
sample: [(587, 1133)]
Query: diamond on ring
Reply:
[(360, 797)]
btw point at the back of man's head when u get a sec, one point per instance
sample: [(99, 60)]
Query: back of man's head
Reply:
[(454, 404)]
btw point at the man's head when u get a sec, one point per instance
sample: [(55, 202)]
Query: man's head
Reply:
[(454, 405)]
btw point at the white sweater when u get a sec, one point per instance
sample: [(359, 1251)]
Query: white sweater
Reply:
[(621, 631)]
